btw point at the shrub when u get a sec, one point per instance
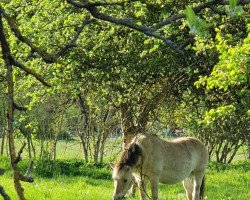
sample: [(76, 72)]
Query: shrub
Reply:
[(49, 169)]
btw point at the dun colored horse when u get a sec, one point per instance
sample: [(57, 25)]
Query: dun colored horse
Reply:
[(151, 159)]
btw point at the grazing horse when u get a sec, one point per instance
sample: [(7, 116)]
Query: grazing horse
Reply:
[(151, 159)]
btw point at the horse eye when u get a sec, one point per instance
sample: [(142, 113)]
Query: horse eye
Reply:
[(125, 180)]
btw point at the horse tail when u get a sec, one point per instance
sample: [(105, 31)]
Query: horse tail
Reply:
[(202, 189)]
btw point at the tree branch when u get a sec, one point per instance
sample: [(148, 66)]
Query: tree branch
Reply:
[(20, 108), (29, 71), (96, 4), (26, 177), (176, 17), (47, 57), (218, 11), (197, 9), (125, 22), (11, 60), (151, 30), (240, 2)]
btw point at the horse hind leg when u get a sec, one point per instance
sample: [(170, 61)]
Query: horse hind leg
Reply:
[(199, 186), (154, 187), (188, 186)]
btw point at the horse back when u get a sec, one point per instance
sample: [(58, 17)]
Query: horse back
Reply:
[(169, 158), (195, 148)]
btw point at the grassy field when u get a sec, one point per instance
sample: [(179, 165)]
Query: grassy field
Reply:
[(73, 180), (223, 182)]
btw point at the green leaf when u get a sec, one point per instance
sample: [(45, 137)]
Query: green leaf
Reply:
[(197, 26)]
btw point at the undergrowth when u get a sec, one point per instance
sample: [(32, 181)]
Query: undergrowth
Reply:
[(77, 167), (70, 167)]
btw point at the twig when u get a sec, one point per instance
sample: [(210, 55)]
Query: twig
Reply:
[(19, 155), (29, 169), (20, 108)]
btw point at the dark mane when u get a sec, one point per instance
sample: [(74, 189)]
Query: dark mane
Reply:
[(130, 156)]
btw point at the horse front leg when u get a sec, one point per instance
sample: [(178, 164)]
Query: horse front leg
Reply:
[(132, 190), (143, 190), (154, 187)]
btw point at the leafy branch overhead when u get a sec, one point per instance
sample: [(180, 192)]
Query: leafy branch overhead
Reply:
[(47, 57), (196, 24)]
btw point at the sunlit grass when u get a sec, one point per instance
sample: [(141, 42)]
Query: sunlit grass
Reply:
[(221, 183), (232, 183), (63, 188)]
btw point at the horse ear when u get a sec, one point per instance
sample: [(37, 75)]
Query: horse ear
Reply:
[(112, 165)]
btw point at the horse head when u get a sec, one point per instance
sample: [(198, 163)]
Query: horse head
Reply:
[(122, 171), (123, 180)]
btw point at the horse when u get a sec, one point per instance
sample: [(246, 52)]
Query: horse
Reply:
[(151, 159)]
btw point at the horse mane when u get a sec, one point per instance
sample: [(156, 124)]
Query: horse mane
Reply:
[(130, 156)]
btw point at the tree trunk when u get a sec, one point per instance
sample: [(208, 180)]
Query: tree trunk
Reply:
[(235, 150), (3, 141), (33, 147), (131, 128), (41, 155), (97, 149), (29, 146), (102, 147), (2, 124), (7, 59), (248, 148), (85, 149), (54, 149), (58, 131), (127, 124)]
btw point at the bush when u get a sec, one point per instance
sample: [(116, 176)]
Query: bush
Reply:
[(73, 167), (49, 169), (240, 165)]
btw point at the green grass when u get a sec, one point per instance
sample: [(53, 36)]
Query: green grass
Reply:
[(63, 188), (69, 178), (223, 182)]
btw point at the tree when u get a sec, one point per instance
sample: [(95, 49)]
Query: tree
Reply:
[(230, 78), (134, 54)]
